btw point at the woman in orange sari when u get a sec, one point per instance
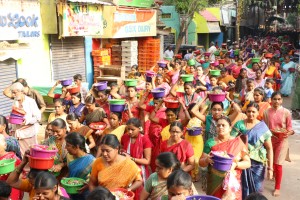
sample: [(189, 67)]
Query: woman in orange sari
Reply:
[(113, 170), (259, 95), (234, 146)]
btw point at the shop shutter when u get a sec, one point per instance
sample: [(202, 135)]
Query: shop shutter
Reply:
[(7, 75), (68, 57)]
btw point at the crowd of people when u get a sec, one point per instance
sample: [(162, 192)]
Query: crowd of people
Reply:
[(147, 148)]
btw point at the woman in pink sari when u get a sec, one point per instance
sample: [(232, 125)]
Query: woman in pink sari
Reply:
[(15, 194), (279, 121), (138, 148)]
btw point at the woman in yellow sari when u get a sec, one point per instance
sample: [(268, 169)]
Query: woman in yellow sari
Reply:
[(113, 170)]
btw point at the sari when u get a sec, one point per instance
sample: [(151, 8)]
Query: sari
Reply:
[(197, 144), (134, 110), (136, 150), (187, 101), (215, 178), (210, 128), (15, 194), (118, 175), (155, 187), (287, 79), (12, 145), (80, 168), (96, 116), (183, 150), (155, 136), (252, 178), (84, 131), (61, 155), (119, 131)]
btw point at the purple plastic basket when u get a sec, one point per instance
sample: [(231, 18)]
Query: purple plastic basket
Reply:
[(101, 86), (222, 163), (17, 116), (194, 131), (249, 50), (251, 55), (116, 108), (158, 93), (66, 82), (148, 78), (217, 97), (201, 197), (162, 64)]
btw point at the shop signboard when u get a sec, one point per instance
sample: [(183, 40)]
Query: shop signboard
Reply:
[(125, 22), (82, 20), (20, 20), (135, 3)]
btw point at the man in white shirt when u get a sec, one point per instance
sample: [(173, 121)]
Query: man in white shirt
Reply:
[(169, 53), (212, 50), (26, 132)]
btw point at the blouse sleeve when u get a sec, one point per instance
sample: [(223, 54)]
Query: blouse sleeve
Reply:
[(148, 183), (146, 142), (189, 151), (96, 167), (207, 146), (289, 121)]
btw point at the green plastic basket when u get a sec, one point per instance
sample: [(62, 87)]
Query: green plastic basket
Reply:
[(7, 166), (72, 188), (169, 59), (191, 62), (217, 53), (236, 52), (187, 77), (117, 101), (130, 82), (215, 72), (255, 60)]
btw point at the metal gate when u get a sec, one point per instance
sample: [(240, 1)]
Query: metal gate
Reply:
[(68, 57), (7, 75)]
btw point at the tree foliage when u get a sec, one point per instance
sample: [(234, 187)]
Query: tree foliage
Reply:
[(187, 8)]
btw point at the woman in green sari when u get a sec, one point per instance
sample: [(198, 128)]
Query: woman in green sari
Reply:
[(234, 146), (78, 161)]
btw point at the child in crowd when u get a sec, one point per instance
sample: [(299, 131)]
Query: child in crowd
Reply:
[(213, 82), (269, 89), (248, 93)]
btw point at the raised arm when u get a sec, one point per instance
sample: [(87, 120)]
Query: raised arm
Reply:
[(196, 110)]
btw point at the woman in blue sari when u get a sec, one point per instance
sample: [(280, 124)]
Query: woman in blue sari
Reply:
[(258, 136), (287, 75), (79, 162)]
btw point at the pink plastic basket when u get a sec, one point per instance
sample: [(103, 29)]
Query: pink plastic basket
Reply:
[(217, 97)]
